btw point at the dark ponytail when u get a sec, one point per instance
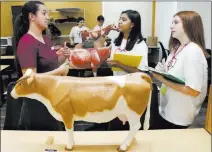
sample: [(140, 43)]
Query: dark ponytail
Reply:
[(21, 25)]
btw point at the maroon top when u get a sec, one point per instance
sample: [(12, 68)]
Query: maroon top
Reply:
[(35, 54)]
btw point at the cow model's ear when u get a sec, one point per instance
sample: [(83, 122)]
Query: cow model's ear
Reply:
[(30, 79)]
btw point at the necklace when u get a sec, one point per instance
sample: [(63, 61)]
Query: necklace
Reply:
[(177, 52), (172, 62)]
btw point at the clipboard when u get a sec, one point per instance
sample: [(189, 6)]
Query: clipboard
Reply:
[(129, 60), (167, 76)]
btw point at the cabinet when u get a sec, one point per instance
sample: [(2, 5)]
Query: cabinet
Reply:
[(65, 18)]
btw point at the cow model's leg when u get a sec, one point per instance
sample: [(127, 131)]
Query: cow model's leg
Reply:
[(65, 109), (69, 130), (94, 72), (70, 139), (135, 124)]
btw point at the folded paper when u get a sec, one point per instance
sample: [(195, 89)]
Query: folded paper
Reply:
[(129, 60)]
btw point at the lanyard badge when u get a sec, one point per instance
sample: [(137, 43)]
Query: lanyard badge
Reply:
[(173, 61)]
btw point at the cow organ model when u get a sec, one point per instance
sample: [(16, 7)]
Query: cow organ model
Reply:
[(91, 53), (90, 58)]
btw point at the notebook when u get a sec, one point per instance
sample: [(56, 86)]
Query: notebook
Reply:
[(129, 60), (167, 76)]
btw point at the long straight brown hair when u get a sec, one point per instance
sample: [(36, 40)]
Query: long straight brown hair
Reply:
[(193, 28)]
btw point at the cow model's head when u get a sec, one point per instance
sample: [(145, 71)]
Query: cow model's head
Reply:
[(24, 85)]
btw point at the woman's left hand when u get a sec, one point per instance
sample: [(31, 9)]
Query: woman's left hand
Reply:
[(66, 51), (157, 76), (63, 69), (113, 63)]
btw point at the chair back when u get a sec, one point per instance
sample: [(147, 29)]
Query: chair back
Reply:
[(165, 52)]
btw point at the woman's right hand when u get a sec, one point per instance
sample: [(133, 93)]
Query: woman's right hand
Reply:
[(115, 27), (161, 66), (65, 50)]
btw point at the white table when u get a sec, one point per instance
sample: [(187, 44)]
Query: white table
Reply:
[(189, 140)]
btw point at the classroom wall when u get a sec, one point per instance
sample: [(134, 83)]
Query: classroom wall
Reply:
[(163, 20), (111, 11), (164, 15), (204, 9), (90, 14), (6, 17)]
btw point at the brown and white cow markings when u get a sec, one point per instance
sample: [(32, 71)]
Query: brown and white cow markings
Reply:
[(96, 99), (75, 96)]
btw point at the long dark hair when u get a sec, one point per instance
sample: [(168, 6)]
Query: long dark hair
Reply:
[(135, 33), (193, 28), (21, 25)]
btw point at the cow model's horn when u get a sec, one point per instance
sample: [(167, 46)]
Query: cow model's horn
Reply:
[(28, 72)]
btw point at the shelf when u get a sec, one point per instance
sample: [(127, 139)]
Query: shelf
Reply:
[(63, 36), (67, 23), (68, 10), (59, 37), (54, 11)]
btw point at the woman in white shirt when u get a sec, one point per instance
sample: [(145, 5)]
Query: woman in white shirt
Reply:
[(130, 42), (180, 103)]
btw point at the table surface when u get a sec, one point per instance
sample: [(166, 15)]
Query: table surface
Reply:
[(8, 57), (4, 67), (188, 140)]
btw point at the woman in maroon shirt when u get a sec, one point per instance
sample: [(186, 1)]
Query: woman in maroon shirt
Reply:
[(34, 51)]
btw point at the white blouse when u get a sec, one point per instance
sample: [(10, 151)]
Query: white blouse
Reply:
[(139, 49)]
